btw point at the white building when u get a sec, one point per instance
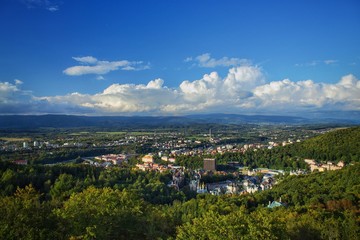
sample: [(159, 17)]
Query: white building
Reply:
[(148, 158)]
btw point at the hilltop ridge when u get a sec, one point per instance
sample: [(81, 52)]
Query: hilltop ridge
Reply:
[(73, 121)]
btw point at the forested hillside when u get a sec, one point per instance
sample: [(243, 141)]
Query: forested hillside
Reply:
[(342, 144), (66, 202)]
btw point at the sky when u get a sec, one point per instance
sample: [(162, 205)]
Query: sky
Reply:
[(179, 57)]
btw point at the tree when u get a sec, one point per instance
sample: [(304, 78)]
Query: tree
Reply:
[(103, 213), (63, 187), (23, 216)]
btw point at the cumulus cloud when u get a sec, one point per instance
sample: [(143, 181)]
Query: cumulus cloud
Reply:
[(202, 90), (243, 78), (242, 90), (205, 60), (12, 98), (302, 95), (91, 65)]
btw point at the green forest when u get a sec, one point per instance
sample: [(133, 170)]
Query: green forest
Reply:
[(339, 145), (75, 201)]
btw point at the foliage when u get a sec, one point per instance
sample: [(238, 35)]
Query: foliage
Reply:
[(339, 145), (190, 162), (24, 216), (335, 146), (104, 213), (333, 190)]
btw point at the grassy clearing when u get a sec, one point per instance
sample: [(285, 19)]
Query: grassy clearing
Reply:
[(128, 133), (79, 133), (13, 139), (141, 133), (111, 133)]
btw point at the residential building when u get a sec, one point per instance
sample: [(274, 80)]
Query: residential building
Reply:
[(148, 158)]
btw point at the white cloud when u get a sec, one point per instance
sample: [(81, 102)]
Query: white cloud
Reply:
[(243, 78), (7, 88), (12, 98), (91, 65), (53, 8), (301, 95), (155, 84), (18, 82), (202, 90), (87, 59), (205, 60), (242, 90)]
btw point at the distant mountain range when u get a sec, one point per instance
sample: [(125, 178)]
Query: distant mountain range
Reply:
[(72, 121)]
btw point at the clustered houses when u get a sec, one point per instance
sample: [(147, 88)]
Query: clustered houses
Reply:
[(106, 160), (167, 159), (250, 184), (267, 171), (200, 151), (298, 172), (163, 141), (148, 164), (115, 159), (155, 167), (178, 178), (323, 167)]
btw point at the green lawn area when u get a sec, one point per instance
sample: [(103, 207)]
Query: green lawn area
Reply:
[(13, 139)]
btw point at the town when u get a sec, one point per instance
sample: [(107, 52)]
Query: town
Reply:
[(166, 149)]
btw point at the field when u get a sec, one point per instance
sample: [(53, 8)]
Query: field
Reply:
[(13, 139)]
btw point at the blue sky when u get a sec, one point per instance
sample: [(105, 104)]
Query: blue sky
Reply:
[(166, 57)]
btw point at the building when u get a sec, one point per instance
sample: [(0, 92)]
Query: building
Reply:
[(323, 167), (148, 159), (275, 204), (113, 158), (21, 162), (209, 164)]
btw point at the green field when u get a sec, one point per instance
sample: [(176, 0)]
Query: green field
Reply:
[(111, 133), (13, 139), (79, 133)]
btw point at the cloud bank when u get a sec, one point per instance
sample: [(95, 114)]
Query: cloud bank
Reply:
[(91, 65), (242, 91)]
